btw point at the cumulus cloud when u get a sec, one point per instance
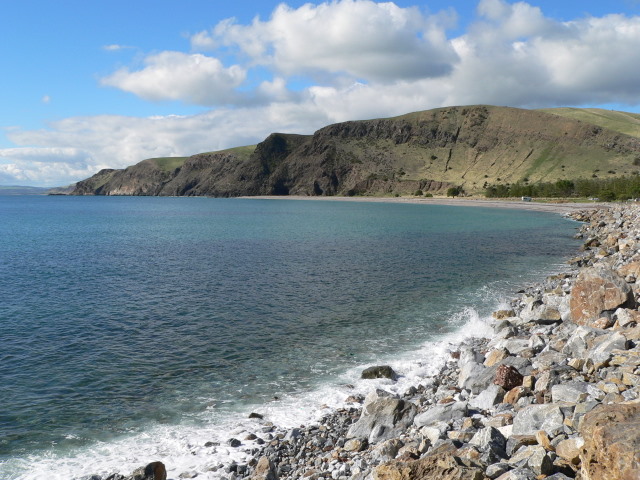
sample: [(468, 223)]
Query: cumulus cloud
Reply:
[(193, 78), (361, 38)]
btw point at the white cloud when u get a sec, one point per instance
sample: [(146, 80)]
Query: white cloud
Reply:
[(360, 38), (357, 59), (194, 78), (46, 99)]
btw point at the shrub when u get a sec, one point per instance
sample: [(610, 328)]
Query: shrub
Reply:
[(418, 193)]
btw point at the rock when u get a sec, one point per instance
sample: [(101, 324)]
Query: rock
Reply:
[(256, 415), (265, 470), (488, 398), (495, 356), (152, 471), (518, 474), (441, 413), (379, 371), (356, 445), (626, 317), (383, 419), (234, 442), (570, 449), (515, 394), (387, 450), (442, 467), (612, 442), (571, 392), (497, 469), (596, 290), (538, 417), (490, 438), (508, 377)]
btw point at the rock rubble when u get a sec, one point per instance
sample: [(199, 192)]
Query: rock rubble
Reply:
[(555, 393)]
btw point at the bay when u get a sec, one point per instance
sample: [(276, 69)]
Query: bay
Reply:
[(121, 316)]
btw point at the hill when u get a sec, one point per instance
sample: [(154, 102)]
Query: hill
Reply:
[(472, 147)]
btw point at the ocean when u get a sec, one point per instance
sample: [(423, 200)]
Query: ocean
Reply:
[(135, 329)]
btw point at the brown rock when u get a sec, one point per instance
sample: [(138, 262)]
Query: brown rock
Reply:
[(502, 314), (597, 289), (570, 449), (612, 443), (495, 356), (153, 471), (265, 470), (508, 377), (543, 440), (442, 467), (603, 322), (515, 394), (632, 268)]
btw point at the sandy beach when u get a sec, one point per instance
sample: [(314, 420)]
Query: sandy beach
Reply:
[(562, 208)]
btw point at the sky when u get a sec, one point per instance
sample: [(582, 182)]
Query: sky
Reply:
[(86, 85)]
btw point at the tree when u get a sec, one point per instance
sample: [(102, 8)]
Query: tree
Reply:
[(453, 191)]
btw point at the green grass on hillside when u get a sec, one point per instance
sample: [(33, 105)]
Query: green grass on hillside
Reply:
[(169, 163), (623, 122)]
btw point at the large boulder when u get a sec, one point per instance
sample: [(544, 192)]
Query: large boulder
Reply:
[(379, 371), (441, 413), (530, 419), (596, 290), (442, 467), (382, 419), (612, 443), (152, 471)]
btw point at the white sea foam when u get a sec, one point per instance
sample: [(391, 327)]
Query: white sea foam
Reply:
[(182, 447)]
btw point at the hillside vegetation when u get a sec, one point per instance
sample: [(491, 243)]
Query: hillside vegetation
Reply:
[(472, 147)]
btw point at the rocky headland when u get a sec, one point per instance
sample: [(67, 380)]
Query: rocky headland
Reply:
[(554, 393)]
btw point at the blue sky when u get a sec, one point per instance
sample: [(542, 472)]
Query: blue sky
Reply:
[(91, 85)]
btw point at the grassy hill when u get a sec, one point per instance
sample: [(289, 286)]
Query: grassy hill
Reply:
[(470, 146)]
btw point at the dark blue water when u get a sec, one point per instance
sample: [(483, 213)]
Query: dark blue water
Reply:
[(121, 314)]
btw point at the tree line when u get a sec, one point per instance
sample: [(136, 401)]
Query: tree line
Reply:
[(606, 189)]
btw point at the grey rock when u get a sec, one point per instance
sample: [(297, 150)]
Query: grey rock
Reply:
[(489, 438), (383, 419), (441, 413), (540, 462), (578, 343), (497, 469), (519, 474), (571, 392), (379, 371), (489, 397), (532, 418)]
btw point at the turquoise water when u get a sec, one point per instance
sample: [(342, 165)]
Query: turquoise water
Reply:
[(121, 315)]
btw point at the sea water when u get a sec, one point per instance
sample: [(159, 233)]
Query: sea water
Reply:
[(135, 329)]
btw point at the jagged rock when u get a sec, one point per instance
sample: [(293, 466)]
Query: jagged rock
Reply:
[(379, 371), (383, 419), (596, 290), (152, 471), (518, 474), (442, 467), (571, 392), (489, 438), (508, 377), (495, 356), (626, 317), (570, 449), (265, 470), (489, 397), (387, 450), (612, 442), (441, 413), (538, 417)]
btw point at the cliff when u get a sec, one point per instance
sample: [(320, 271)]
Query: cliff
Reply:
[(432, 150)]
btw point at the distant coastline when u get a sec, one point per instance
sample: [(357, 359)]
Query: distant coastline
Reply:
[(562, 208)]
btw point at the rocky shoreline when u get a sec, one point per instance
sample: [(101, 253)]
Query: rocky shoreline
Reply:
[(555, 393)]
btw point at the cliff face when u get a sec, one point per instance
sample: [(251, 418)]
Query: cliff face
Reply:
[(431, 150)]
